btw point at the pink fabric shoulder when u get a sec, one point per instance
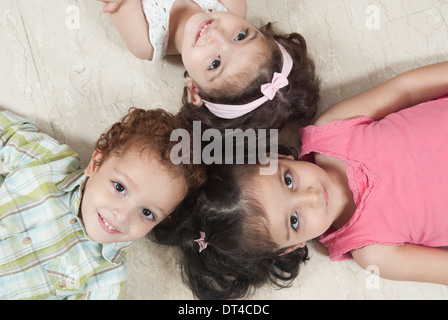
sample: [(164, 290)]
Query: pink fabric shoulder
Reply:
[(398, 172)]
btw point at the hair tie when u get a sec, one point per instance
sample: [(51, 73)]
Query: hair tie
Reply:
[(269, 90), (201, 242)]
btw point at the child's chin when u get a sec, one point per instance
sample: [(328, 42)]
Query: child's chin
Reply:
[(103, 239)]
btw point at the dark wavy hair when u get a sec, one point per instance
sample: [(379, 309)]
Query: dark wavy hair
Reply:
[(240, 255), (297, 101)]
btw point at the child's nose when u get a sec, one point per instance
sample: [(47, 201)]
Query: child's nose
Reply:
[(217, 35), (308, 197), (122, 214)]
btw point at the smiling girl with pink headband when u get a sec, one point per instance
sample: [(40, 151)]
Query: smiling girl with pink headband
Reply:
[(237, 75)]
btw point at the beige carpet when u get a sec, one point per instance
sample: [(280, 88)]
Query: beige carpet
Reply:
[(64, 65)]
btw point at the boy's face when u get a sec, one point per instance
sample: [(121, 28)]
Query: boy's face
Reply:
[(128, 195)]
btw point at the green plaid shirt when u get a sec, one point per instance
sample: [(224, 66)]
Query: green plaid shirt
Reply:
[(44, 250)]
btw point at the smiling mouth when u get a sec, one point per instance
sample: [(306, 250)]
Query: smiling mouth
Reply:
[(107, 226), (203, 29)]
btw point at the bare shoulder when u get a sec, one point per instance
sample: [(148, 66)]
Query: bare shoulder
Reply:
[(372, 254), (407, 262), (344, 110), (237, 7)]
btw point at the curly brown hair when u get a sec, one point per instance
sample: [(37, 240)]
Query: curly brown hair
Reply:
[(150, 130), (297, 101)]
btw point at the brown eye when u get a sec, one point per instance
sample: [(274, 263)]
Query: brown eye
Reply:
[(294, 221), (120, 188), (216, 63), (148, 214), (288, 180), (241, 36)]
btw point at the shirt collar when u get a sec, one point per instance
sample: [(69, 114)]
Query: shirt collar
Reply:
[(73, 184), (113, 252)]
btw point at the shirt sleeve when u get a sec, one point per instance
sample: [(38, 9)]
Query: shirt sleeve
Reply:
[(22, 146)]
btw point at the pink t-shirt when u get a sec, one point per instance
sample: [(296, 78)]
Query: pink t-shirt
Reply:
[(398, 172)]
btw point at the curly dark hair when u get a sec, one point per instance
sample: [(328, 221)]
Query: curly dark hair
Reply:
[(297, 101), (150, 130)]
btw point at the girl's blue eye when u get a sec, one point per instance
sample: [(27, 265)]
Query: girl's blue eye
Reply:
[(241, 36), (216, 63), (294, 221), (120, 188), (288, 180), (148, 214)]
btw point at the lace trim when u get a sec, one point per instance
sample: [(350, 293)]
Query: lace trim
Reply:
[(335, 124)]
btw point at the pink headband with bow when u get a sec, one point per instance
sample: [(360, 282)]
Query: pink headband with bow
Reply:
[(279, 80)]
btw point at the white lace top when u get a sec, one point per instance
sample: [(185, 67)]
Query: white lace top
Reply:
[(157, 14)]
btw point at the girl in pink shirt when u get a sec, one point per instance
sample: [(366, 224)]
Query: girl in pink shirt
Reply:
[(371, 185)]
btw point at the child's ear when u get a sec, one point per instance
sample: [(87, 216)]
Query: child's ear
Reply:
[(193, 92), (279, 156), (94, 163), (292, 248), (282, 156)]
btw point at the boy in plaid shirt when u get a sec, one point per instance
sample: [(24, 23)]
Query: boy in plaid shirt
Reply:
[(65, 230)]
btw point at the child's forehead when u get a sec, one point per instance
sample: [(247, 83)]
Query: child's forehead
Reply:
[(136, 164), (141, 155), (282, 167)]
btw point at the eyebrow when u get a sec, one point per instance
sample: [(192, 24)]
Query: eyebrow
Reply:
[(127, 179), (254, 34), (216, 74)]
